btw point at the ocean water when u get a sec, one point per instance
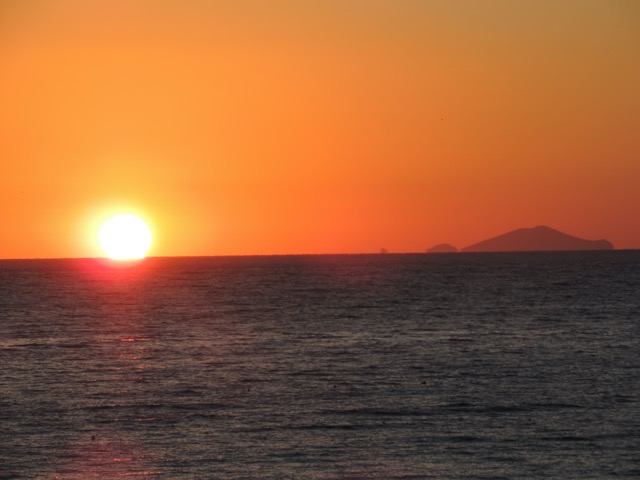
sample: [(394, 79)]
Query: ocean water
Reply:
[(518, 365)]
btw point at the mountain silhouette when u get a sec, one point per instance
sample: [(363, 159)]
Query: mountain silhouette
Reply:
[(536, 239)]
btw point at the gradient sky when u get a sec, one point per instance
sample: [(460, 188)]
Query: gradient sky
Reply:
[(333, 126)]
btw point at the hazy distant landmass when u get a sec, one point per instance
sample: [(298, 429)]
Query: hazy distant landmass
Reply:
[(536, 239), (442, 248)]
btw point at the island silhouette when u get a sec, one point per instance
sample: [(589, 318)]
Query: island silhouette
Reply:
[(540, 238)]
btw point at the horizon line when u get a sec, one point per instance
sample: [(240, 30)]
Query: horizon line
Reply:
[(459, 252)]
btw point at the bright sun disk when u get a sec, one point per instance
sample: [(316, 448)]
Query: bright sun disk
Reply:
[(125, 237)]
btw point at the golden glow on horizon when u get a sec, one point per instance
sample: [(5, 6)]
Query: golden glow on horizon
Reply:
[(125, 237)]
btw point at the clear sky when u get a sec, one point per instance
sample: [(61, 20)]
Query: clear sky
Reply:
[(333, 126)]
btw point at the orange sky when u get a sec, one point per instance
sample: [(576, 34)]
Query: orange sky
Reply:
[(336, 126)]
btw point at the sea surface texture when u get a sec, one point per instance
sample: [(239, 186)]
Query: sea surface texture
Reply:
[(322, 367)]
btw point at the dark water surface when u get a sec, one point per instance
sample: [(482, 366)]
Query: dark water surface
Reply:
[(322, 367)]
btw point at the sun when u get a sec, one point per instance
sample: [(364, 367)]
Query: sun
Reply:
[(125, 237)]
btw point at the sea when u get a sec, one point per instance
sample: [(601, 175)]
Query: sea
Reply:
[(396, 366)]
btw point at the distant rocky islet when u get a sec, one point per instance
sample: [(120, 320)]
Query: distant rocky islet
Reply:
[(442, 248)]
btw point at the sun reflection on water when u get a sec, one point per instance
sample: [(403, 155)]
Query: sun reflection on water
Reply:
[(110, 441)]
